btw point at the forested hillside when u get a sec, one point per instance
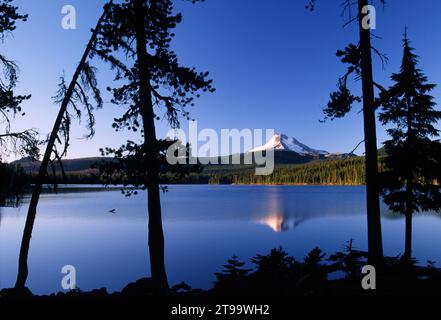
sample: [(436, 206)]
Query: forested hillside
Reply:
[(338, 172)]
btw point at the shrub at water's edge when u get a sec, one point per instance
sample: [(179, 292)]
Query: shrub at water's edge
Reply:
[(13, 183)]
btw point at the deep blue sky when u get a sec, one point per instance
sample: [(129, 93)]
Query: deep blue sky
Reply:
[(273, 64)]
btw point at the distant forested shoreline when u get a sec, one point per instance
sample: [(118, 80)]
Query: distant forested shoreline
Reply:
[(321, 172), (348, 171)]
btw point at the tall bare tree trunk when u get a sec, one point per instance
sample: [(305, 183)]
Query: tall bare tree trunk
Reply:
[(375, 243), (156, 234), (408, 238), (409, 188), (32, 211)]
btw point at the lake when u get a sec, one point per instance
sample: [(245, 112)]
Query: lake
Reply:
[(204, 225)]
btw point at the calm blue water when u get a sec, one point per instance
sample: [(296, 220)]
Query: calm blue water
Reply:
[(204, 226)]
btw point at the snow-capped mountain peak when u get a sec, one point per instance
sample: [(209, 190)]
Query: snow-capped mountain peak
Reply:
[(282, 142)]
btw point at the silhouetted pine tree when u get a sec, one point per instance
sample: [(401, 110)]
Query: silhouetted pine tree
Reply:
[(233, 271), (350, 261), (19, 143), (411, 181), (278, 262), (359, 58), (140, 31), (24, 142)]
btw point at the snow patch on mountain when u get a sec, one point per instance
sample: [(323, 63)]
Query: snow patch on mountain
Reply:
[(282, 142)]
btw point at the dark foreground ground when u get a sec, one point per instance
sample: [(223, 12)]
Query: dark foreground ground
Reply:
[(343, 300), (279, 288)]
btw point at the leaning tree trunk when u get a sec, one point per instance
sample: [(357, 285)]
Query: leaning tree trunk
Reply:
[(32, 211), (145, 105), (375, 245)]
